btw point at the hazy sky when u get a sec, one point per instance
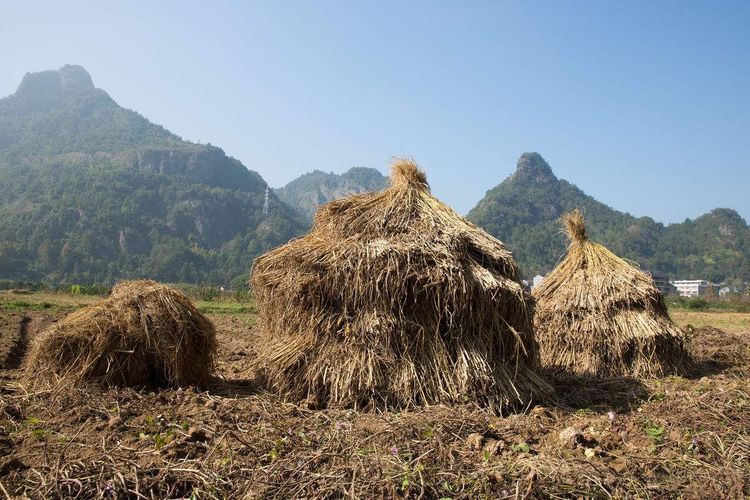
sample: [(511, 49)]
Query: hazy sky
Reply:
[(645, 105)]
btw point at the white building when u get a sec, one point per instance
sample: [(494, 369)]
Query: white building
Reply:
[(691, 288)]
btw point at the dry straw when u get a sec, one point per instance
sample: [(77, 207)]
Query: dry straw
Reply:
[(597, 314), (143, 334), (394, 300)]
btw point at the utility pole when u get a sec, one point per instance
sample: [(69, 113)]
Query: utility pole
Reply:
[(265, 203)]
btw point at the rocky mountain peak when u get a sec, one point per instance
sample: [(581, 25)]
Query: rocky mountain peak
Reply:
[(312, 189), (74, 77), (52, 84), (532, 166)]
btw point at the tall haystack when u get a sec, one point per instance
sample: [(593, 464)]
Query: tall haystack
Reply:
[(143, 334), (597, 314), (392, 300)]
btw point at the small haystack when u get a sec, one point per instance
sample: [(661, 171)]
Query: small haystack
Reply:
[(143, 334), (393, 299), (597, 314)]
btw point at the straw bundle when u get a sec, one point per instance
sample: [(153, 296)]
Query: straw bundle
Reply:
[(392, 299), (597, 314), (143, 334)]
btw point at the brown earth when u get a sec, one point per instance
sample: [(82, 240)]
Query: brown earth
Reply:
[(664, 438)]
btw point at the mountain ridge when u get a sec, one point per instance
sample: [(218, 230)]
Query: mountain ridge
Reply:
[(524, 208), (308, 191), (91, 191)]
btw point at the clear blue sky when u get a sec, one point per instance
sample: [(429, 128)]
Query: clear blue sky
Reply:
[(645, 105)]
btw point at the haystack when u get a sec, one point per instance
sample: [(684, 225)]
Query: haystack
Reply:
[(598, 315), (143, 334), (392, 300)]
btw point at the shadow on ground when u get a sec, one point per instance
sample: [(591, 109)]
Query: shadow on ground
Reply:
[(236, 388), (572, 391)]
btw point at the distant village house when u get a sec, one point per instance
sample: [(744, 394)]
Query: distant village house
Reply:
[(691, 288)]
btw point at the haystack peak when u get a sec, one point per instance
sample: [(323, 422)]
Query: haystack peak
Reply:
[(574, 226), (406, 173)]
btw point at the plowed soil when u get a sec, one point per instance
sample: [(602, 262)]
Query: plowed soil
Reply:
[(666, 438)]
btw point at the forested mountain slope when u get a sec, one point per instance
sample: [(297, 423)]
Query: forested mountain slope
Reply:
[(93, 192), (314, 188), (523, 210)]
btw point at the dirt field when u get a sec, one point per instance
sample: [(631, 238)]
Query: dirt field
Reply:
[(687, 437), (728, 321)]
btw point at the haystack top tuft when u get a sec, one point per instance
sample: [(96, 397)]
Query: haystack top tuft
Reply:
[(575, 227), (392, 300), (406, 173)]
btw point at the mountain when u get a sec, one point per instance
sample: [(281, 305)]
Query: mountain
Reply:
[(523, 210), (308, 191), (93, 192)]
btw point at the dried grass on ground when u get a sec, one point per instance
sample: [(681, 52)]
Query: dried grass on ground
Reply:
[(143, 334), (394, 300), (609, 438), (599, 315), (732, 322)]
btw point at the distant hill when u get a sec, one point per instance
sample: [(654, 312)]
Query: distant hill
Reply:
[(523, 210), (308, 191), (93, 192)]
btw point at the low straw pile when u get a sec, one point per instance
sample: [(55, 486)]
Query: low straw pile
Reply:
[(394, 300), (143, 334), (597, 314)]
